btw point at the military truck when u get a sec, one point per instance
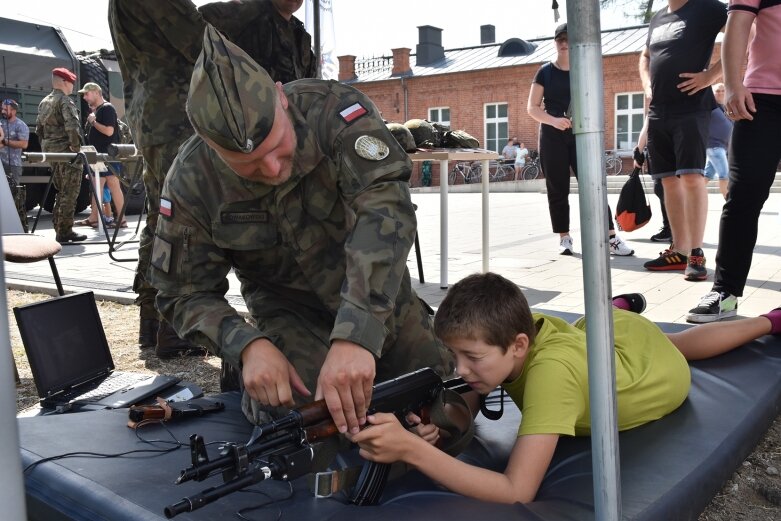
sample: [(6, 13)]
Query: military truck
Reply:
[(28, 53)]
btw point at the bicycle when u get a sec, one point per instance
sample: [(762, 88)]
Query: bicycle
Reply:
[(498, 171), (468, 172), (532, 169), (613, 163)]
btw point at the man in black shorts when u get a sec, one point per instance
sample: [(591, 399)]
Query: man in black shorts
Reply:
[(675, 71), (102, 131)]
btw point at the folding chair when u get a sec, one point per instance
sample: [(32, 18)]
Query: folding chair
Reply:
[(23, 247)]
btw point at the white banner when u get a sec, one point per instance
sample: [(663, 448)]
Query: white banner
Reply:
[(329, 65)]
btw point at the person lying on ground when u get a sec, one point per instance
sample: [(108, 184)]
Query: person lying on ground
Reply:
[(540, 361)]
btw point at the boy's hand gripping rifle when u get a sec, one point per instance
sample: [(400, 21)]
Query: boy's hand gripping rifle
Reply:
[(283, 448)]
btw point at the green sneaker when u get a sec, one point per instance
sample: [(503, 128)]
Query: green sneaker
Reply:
[(714, 306)]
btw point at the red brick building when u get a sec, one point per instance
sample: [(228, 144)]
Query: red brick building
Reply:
[(484, 89)]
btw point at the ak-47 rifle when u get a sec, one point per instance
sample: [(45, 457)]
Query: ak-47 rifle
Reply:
[(283, 450)]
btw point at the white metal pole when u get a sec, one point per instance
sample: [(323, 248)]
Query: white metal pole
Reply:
[(443, 189), (485, 205), (11, 483), (586, 81)]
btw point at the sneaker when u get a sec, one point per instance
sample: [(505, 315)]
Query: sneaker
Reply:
[(712, 307), (565, 246), (619, 247), (695, 268), (668, 260), (664, 235), (634, 302), (70, 237)]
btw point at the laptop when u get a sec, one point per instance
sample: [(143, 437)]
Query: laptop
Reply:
[(70, 358)]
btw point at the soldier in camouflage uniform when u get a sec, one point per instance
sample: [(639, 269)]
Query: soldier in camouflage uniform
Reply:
[(303, 192), (157, 44), (269, 33), (59, 130)]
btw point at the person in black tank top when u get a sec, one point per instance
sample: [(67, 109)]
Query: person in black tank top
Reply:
[(102, 131)]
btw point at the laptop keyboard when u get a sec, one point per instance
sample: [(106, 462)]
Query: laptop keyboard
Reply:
[(112, 384)]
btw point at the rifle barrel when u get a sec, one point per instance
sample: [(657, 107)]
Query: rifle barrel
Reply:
[(210, 495)]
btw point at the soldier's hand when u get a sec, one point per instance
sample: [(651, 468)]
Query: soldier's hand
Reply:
[(345, 382), (269, 377)]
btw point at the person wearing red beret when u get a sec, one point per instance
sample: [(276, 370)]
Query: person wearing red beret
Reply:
[(59, 130)]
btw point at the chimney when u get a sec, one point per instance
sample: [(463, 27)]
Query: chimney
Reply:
[(401, 61), (487, 34), (347, 68), (430, 49)]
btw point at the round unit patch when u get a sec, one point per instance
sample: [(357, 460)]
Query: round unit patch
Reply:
[(371, 148)]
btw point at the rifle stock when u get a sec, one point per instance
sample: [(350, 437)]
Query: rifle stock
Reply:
[(283, 448)]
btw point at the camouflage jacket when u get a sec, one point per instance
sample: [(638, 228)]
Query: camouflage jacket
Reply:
[(282, 47), (157, 44), (57, 124), (331, 242)]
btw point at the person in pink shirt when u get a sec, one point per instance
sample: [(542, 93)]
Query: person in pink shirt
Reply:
[(753, 102)]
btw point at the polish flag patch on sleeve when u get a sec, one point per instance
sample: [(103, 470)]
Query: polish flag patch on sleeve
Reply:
[(166, 207), (353, 112)]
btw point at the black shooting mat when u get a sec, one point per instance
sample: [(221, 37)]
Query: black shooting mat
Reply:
[(670, 468)]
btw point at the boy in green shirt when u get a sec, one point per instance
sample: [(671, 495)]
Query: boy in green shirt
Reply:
[(540, 360)]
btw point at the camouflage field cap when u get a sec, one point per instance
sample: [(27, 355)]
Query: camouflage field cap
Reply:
[(232, 99)]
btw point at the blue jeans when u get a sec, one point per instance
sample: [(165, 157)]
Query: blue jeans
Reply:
[(716, 163)]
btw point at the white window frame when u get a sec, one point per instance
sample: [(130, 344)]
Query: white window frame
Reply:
[(438, 111), (501, 140), (629, 112)]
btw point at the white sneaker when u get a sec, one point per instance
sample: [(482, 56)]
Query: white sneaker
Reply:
[(565, 246), (619, 247)]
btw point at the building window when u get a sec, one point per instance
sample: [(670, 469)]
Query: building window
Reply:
[(496, 126), (440, 115), (629, 119)]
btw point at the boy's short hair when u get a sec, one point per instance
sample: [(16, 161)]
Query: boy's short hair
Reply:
[(484, 306)]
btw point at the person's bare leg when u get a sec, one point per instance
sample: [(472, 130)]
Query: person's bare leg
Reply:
[(116, 193), (715, 338), (93, 212), (695, 208), (675, 203), (723, 187)]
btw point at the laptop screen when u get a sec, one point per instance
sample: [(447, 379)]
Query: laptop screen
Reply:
[(64, 341)]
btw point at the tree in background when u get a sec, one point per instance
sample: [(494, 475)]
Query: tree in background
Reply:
[(642, 11)]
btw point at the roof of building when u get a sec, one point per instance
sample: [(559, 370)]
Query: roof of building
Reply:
[(614, 42)]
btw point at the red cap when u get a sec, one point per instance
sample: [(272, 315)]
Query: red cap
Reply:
[(65, 74)]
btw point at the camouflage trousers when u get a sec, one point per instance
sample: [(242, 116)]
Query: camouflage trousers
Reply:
[(67, 181), (304, 340), (19, 192), (157, 161)]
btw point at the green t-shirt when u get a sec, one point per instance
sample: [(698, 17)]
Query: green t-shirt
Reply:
[(652, 376)]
